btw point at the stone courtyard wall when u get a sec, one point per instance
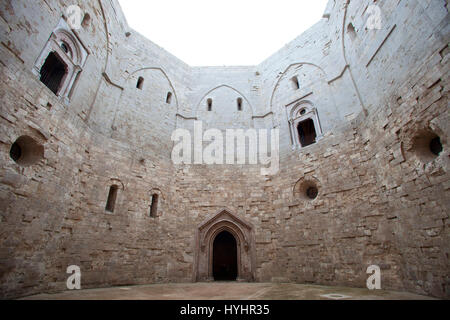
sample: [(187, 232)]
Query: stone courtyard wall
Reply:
[(382, 198)]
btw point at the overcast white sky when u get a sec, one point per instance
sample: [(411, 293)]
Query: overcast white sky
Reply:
[(226, 32)]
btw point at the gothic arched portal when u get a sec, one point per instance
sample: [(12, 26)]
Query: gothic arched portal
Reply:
[(224, 262), (224, 249)]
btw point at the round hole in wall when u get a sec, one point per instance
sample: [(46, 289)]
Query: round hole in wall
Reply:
[(26, 151), (16, 152), (307, 188), (302, 112), (427, 145), (312, 192), (436, 146), (64, 47)]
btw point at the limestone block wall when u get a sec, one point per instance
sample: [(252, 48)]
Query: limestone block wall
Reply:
[(396, 46), (382, 196), (53, 212)]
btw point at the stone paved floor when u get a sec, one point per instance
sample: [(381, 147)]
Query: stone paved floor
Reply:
[(228, 291)]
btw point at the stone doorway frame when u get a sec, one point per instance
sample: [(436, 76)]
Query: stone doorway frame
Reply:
[(242, 231)]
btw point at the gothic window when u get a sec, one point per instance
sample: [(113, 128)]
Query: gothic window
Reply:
[(304, 125), (306, 132), (61, 61), (53, 72)]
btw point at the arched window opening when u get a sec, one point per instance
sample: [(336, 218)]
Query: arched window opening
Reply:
[(86, 20), (61, 61), (169, 97), (209, 103), (239, 104), (154, 206), (351, 31), (140, 83), (112, 197), (52, 72), (306, 132), (295, 83), (304, 124)]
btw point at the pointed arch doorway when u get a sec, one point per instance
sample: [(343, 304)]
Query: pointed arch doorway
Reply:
[(224, 249), (224, 262)]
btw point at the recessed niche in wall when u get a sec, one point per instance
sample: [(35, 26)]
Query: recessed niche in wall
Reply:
[(306, 189), (427, 145), (26, 151)]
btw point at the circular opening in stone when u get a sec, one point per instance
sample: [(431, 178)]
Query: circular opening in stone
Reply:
[(427, 146), (16, 152), (306, 189), (64, 47), (436, 146), (302, 112), (26, 151), (312, 192)]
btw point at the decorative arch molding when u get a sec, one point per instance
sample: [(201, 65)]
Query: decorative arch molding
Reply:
[(157, 191), (220, 86), (76, 53), (70, 53), (164, 74), (105, 66), (344, 54), (277, 83), (119, 100), (108, 42), (241, 230), (302, 110), (117, 182)]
